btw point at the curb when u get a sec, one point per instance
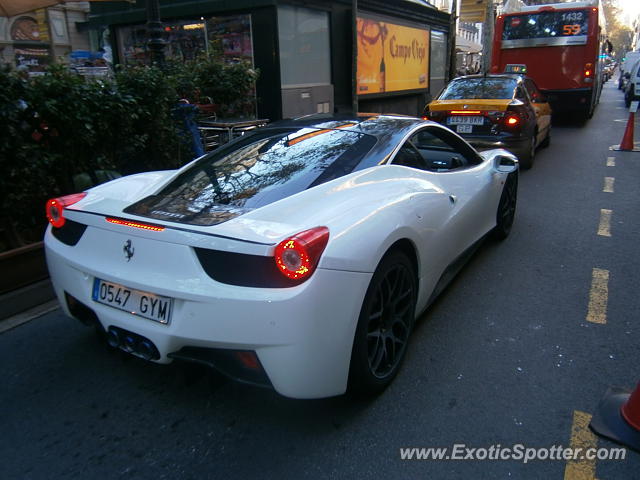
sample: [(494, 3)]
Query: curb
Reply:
[(26, 316), (25, 298)]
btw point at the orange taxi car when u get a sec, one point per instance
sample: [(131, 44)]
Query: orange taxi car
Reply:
[(495, 111)]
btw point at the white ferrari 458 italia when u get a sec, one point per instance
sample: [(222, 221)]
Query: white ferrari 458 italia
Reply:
[(297, 257)]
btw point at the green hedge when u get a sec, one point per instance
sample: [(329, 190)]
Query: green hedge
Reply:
[(57, 126)]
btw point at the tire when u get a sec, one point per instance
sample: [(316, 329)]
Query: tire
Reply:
[(590, 111), (506, 208), (547, 140), (384, 325), (526, 160)]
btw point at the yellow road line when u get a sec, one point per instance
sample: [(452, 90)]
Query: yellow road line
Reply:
[(604, 229), (608, 184), (598, 296), (611, 161), (581, 437)]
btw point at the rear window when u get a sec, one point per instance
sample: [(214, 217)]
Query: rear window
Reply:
[(570, 23), (258, 170), (479, 88)]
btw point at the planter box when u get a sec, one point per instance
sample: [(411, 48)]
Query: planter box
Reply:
[(22, 266)]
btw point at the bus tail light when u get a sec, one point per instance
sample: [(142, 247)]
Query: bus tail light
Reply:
[(588, 72)]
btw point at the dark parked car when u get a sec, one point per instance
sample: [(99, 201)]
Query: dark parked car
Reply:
[(495, 111)]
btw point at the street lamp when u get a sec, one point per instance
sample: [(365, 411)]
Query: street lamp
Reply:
[(206, 36), (155, 43)]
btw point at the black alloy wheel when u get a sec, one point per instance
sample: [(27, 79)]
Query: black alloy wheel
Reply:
[(506, 208), (384, 326)]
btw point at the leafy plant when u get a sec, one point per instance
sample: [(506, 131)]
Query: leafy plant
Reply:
[(59, 126), (231, 86)]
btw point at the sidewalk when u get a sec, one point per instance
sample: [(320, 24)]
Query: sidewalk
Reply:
[(34, 298)]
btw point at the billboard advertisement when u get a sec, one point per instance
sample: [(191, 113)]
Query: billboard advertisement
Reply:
[(391, 57)]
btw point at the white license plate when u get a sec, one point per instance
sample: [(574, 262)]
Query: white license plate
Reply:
[(136, 302), (464, 128), (465, 120)]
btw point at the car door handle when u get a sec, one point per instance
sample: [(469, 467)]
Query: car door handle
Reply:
[(452, 199)]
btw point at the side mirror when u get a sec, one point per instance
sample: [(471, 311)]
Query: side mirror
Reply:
[(505, 164)]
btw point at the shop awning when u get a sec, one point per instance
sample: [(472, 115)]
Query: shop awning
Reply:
[(11, 8), (473, 11)]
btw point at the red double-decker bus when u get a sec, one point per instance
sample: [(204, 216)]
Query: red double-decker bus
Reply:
[(559, 46)]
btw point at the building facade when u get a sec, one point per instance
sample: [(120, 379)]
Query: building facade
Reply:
[(469, 49), (36, 39), (313, 56)]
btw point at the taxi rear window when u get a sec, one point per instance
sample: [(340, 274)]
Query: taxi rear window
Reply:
[(479, 88)]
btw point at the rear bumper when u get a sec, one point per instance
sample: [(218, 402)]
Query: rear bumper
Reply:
[(302, 335), (576, 99)]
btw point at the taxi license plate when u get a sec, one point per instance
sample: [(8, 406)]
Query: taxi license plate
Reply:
[(137, 302), (465, 120), (464, 128)]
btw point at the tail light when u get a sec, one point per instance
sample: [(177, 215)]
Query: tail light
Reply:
[(435, 115), (248, 359), (495, 116), (588, 72), (129, 223), (297, 256), (55, 208), (512, 121)]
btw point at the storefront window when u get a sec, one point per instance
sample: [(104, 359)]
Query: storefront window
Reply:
[(184, 39), (305, 55), (229, 37), (232, 36), (438, 60)]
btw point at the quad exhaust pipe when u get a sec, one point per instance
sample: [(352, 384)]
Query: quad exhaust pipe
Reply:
[(132, 343)]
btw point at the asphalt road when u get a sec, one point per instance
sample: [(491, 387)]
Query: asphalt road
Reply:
[(506, 356)]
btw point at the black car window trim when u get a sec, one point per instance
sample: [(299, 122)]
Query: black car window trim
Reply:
[(457, 145), (406, 150), (521, 94), (532, 90)]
